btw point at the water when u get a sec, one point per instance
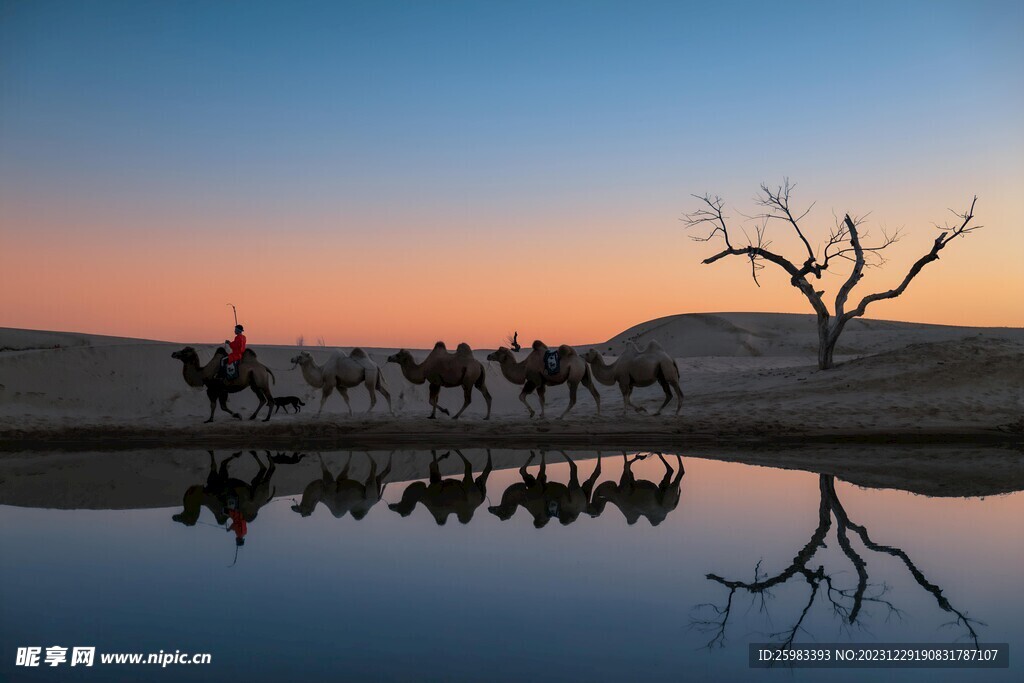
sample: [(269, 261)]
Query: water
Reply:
[(566, 582)]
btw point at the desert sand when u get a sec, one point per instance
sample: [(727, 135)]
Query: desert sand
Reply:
[(748, 378)]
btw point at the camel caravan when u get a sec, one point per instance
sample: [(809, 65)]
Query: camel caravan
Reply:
[(542, 367)]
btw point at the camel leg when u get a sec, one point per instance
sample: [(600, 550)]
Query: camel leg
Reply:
[(213, 403), (270, 402), (224, 407), (481, 385), (627, 392), (588, 382), (574, 473), (573, 386), (343, 475), (435, 390), (325, 474), (373, 394), (588, 485), (435, 467), (679, 396), (384, 392), (467, 398), (668, 394), (481, 481), (467, 469), (372, 477), (527, 389), (263, 399), (527, 477), (682, 471), (667, 479), (382, 476), (542, 396), (328, 388), (344, 394)]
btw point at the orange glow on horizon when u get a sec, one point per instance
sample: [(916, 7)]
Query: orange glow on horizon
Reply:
[(378, 286)]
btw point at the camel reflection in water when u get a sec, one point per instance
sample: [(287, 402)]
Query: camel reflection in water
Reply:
[(341, 494), (221, 490), (849, 604), (545, 500), (636, 498), (444, 497)]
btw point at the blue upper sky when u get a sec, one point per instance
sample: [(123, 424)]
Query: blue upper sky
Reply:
[(496, 100)]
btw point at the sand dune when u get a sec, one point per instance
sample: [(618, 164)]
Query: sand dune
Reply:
[(786, 334), (756, 380)]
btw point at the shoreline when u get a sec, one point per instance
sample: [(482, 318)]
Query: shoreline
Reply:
[(667, 434)]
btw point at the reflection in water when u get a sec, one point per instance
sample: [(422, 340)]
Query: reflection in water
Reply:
[(341, 494), (545, 499), (638, 498), (848, 604), (442, 497), (232, 499), (635, 498), (65, 518)]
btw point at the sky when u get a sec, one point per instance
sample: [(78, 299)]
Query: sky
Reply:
[(392, 173)]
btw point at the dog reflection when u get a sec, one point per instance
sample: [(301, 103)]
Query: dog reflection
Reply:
[(342, 495), (444, 497)]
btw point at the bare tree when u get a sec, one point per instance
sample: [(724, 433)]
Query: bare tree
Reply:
[(844, 243), (321, 342), (300, 340)]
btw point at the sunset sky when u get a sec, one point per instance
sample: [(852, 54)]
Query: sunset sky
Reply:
[(391, 173)]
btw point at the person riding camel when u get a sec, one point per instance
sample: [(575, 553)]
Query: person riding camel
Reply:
[(237, 345), (238, 525)]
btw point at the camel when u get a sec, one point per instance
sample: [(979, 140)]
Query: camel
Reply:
[(343, 372), (636, 368), (341, 494), (532, 374), (636, 499), (544, 499), (251, 374), (442, 497), (442, 368)]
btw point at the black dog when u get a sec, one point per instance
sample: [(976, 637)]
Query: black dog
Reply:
[(285, 401)]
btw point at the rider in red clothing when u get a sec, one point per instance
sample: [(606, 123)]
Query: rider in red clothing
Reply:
[(238, 525), (228, 365), (237, 345)]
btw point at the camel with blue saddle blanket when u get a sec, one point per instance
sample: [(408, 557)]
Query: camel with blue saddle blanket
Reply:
[(545, 367)]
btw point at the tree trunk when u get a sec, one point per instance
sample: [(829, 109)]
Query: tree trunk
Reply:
[(826, 343)]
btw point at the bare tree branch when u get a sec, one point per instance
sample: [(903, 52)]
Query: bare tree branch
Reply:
[(940, 243)]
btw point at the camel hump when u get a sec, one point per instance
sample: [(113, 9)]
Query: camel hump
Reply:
[(653, 345), (249, 353), (439, 346), (464, 349), (566, 351), (357, 353), (538, 345)]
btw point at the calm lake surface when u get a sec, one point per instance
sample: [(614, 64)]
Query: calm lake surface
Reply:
[(626, 575)]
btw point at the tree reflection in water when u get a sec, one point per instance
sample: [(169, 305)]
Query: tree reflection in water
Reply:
[(846, 603)]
